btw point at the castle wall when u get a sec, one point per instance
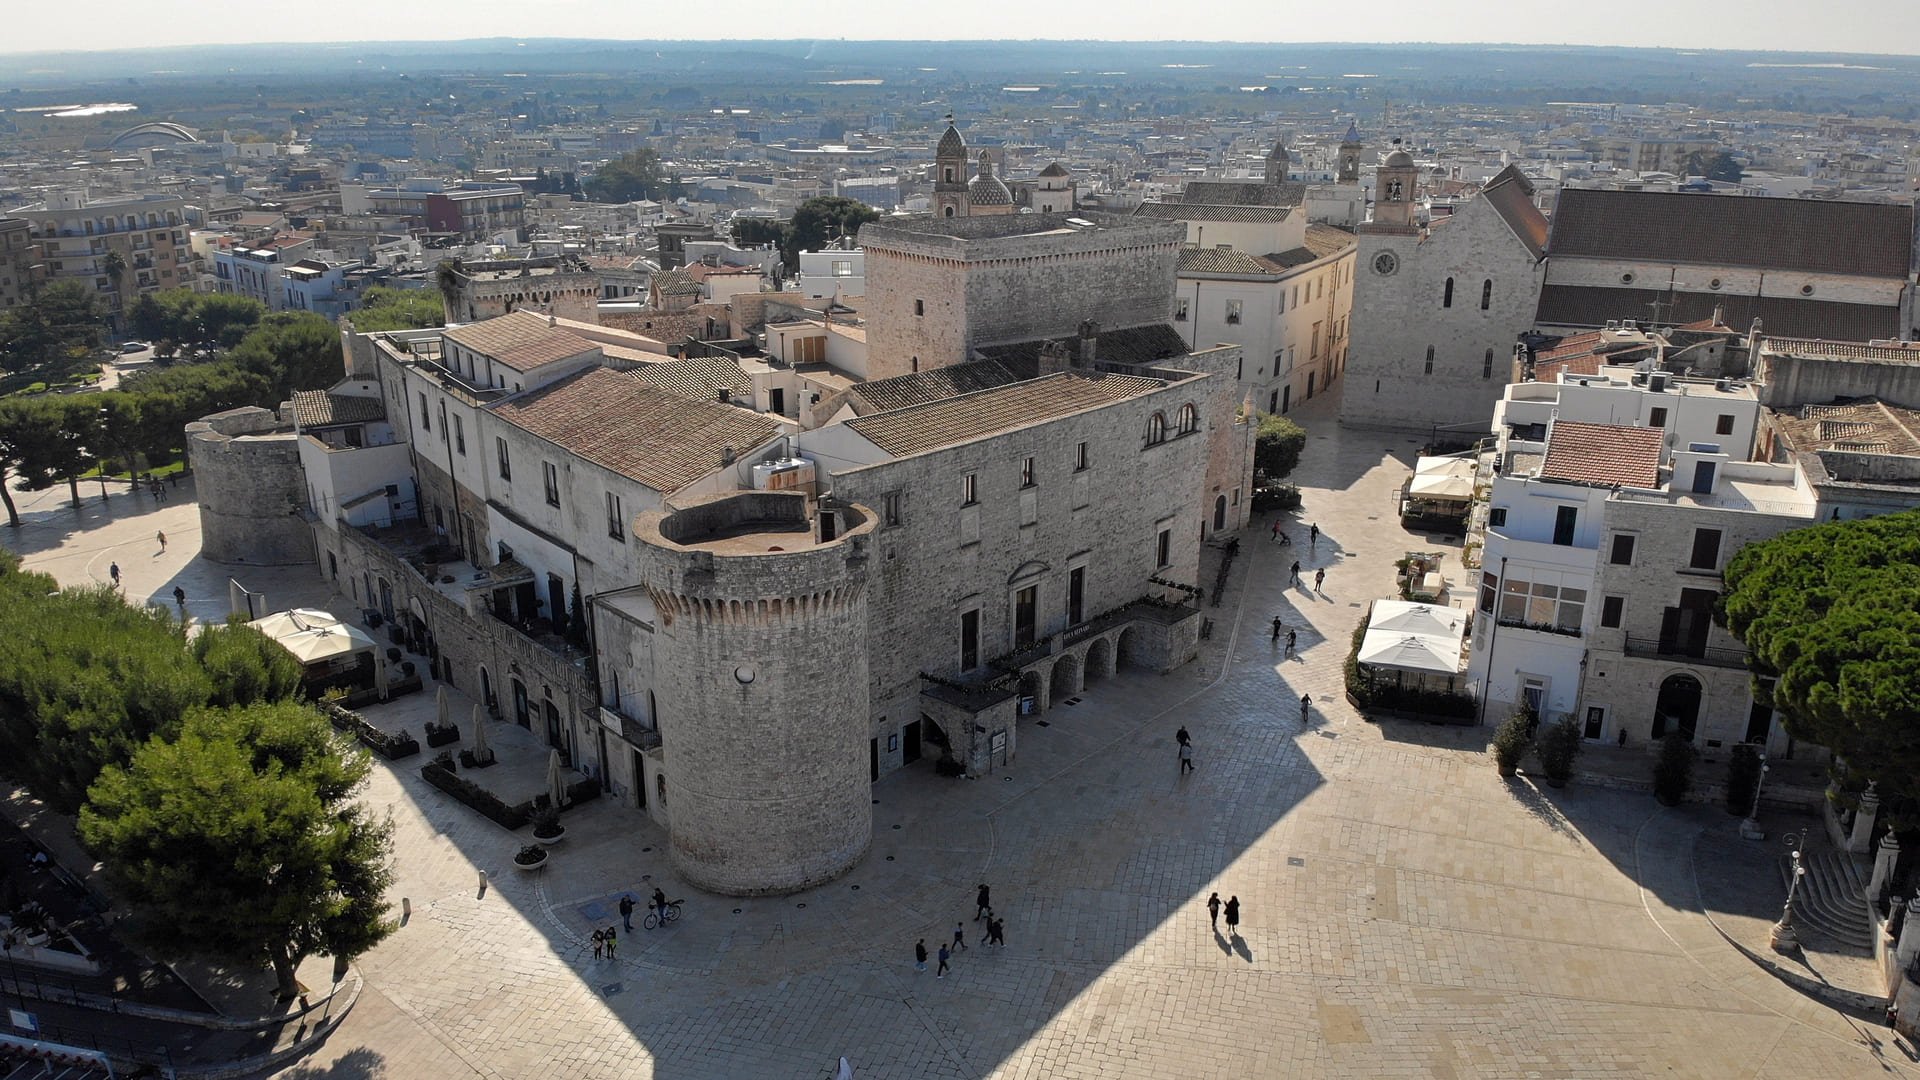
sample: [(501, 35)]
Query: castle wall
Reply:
[(251, 488)]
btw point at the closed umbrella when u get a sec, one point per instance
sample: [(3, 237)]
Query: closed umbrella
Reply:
[(442, 708), (556, 780), (380, 674), (481, 751)]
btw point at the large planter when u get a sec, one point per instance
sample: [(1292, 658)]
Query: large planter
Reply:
[(549, 841), (537, 864)]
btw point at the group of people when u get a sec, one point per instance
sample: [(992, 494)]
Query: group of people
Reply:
[(996, 934), (1232, 907), (657, 903)]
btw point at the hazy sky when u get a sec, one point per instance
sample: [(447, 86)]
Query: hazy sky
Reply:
[(1830, 25)]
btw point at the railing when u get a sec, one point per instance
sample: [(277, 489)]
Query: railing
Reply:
[(1657, 649)]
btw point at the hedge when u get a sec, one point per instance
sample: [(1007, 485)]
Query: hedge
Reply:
[(391, 747)]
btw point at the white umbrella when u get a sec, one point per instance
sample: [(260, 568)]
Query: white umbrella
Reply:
[(481, 751), (1409, 652), (442, 708), (380, 673), (1407, 617), (556, 780)]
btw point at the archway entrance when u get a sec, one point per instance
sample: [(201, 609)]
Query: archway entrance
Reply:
[(1099, 660), (1678, 706), (486, 687), (1065, 679), (1123, 650), (1219, 512), (1033, 693)]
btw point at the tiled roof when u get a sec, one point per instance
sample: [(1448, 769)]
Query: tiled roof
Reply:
[(317, 408), (659, 439), (1864, 424), (1899, 351), (1811, 236), (1212, 212), (1149, 344), (1324, 240), (697, 377), (1199, 260), (1511, 196), (1243, 193), (521, 340), (1055, 169), (1590, 305), (676, 283), (906, 391), (1604, 454), (989, 412)]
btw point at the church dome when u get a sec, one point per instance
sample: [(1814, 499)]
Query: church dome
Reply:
[(987, 189), (1399, 159)]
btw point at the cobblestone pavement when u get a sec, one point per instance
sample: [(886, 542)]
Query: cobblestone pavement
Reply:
[(1405, 912)]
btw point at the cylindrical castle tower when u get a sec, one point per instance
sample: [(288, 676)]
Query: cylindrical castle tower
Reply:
[(760, 693)]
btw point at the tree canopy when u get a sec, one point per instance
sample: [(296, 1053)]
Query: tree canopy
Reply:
[(1277, 443), (182, 317), (1720, 166), (53, 330), (293, 350), (815, 223), (635, 175), (1832, 614), (398, 309)]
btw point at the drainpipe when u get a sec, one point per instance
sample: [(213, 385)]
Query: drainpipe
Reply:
[(1493, 631)]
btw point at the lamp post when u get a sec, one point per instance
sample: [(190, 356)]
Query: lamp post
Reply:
[(1783, 938), (1750, 828)]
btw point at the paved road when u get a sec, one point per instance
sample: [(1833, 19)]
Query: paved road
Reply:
[(1406, 913)]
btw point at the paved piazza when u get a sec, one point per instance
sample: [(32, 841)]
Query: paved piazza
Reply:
[(1406, 913)]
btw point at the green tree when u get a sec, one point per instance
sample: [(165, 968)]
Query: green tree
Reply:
[(398, 309), (17, 432), (60, 431), (1719, 166), (293, 351), (114, 265), (244, 665), (241, 841), (1277, 443), (635, 175), (1832, 614), (53, 331), (820, 220), (752, 232)]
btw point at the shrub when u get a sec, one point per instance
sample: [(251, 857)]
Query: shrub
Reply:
[(546, 823), (391, 747), (1673, 771), (1277, 443), (1557, 747), (1743, 778), (1511, 739), (530, 855)]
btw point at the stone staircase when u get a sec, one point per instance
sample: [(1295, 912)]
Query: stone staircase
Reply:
[(1832, 901)]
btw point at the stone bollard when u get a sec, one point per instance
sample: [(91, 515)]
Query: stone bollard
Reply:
[(1861, 838), (1883, 864)]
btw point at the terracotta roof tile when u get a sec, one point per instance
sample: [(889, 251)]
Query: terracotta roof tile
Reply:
[(317, 408), (1215, 260), (1243, 193), (644, 433), (522, 340), (989, 412), (1604, 454), (1511, 196), (1325, 240), (699, 377), (1212, 212), (921, 387)]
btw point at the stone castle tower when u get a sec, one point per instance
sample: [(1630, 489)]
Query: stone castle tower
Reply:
[(950, 174), (1349, 169), (1278, 162), (761, 652)]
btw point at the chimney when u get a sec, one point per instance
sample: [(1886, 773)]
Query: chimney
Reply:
[(1053, 358), (726, 455), (1089, 343)]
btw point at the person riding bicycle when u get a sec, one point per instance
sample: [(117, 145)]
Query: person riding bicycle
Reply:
[(660, 904)]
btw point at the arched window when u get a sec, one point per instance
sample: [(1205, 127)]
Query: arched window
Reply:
[(1189, 419), (1156, 428), (1446, 298), (1486, 369), (1486, 294), (1429, 360), (949, 211)]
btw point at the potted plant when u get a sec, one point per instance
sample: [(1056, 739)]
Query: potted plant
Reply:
[(1673, 770), (1510, 741), (531, 857), (546, 826), (1556, 747)]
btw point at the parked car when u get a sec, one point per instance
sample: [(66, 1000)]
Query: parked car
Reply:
[(135, 346)]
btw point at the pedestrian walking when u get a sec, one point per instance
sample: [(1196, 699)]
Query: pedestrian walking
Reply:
[(1186, 757), (1276, 530), (180, 597), (920, 955), (612, 940), (1233, 917), (153, 489), (1319, 578), (599, 944), (1181, 736), (941, 972), (1306, 703), (996, 932), (980, 901), (1213, 910), (1295, 573), (162, 537), (1313, 536), (626, 912), (959, 936), (1292, 636), (113, 571), (1277, 627)]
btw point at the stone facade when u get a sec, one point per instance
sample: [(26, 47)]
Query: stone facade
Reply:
[(251, 488), (760, 675), (938, 287), (491, 289)]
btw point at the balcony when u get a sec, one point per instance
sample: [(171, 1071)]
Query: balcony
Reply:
[(1646, 648)]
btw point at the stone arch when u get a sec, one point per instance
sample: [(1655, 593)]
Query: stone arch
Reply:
[(1678, 704), (1099, 660), (1064, 678), (1033, 684), (1126, 649)]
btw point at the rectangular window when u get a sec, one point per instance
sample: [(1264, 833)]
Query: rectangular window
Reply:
[(443, 422), (969, 640), (1622, 554), (1541, 604), (892, 505), (1076, 595), (1026, 616), (1706, 549), (919, 307), (1233, 313), (1565, 518), (1611, 610), (1489, 588), (616, 521), (1723, 425), (1657, 418), (1026, 473), (552, 477), (1179, 311), (1163, 549), (1497, 517), (426, 417), (969, 489), (500, 451), (1313, 350), (1080, 458), (460, 435)]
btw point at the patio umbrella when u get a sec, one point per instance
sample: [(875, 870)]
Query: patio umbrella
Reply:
[(556, 780), (1411, 618), (380, 674), (1409, 652), (481, 751), (442, 708)]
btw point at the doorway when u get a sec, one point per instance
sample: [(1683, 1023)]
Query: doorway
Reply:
[(639, 780), (1219, 512), (873, 758), (777, 401), (1678, 705), (486, 687), (554, 733), (557, 603), (1310, 376), (1596, 722), (521, 714), (910, 743), (1076, 595), (1026, 605)]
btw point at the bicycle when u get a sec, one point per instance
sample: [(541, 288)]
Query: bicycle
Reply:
[(662, 915)]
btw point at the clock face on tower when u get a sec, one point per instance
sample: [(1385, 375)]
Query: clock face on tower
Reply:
[(1385, 263)]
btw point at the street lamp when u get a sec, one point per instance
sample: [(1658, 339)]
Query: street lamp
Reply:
[(1750, 828), (1783, 938)]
